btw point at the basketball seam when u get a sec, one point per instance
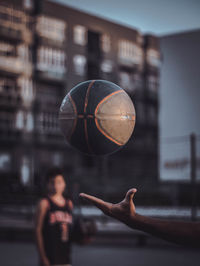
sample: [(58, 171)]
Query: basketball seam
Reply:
[(87, 95), (85, 121), (75, 120), (96, 120)]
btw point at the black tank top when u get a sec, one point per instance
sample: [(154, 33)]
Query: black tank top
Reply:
[(56, 233)]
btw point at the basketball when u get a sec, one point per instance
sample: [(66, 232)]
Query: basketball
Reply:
[(97, 117)]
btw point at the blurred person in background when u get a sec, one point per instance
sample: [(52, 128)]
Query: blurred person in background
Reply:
[(179, 232), (53, 222)]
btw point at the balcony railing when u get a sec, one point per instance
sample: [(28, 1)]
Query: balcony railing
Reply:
[(15, 65), (15, 24)]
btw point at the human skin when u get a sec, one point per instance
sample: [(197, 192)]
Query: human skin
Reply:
[(42, 207), (179, 232)]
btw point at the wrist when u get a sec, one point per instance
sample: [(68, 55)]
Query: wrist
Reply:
[(134, 220)]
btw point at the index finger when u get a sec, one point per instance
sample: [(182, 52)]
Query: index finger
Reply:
[(102, 205)]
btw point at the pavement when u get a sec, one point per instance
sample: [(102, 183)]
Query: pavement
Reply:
[(25, 254)]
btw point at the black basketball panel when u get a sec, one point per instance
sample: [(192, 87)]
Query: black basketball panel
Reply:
[(98, 92), (78, 94), (78, 139)]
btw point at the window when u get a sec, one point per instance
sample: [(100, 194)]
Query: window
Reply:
[(25, 173), (7, 49), (47, 123), (51, 28), (5, 161), (49, 59), (24, 121), (19, 123), (125, 81), (2, 85), (130, 53), (107, 66), (24, 53), (153, 57), (11, 18), (79, 64), (6, 121), (80, 35), (8, 86), (57, 158), (152, 83), (29, 122), (105, 43), (28, 4), (26, 90)]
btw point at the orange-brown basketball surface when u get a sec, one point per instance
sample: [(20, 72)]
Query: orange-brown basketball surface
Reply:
[(97, 117)]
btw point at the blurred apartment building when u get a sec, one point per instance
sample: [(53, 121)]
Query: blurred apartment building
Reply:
[(47, 48)]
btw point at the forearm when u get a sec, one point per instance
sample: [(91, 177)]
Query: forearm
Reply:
[(179, 232), (40, 245), (185, 233)]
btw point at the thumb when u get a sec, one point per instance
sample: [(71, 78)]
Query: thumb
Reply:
[(130, 194)]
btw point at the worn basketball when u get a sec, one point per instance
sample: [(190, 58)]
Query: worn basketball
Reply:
[(97, 117)]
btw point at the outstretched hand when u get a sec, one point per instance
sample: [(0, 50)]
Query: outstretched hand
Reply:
[(123, 211), (179, 232)]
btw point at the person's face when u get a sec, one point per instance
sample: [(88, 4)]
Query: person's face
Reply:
[(59, 184)]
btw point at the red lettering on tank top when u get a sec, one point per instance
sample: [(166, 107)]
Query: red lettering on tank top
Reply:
[(60, 216), (64, 235)]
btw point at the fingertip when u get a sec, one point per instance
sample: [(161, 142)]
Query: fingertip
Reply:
[(130, 193), (132, 190)]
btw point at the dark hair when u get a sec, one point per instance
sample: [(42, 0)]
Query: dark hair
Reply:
[(50, 176)]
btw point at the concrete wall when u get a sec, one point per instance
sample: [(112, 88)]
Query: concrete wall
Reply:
[(179, 103)]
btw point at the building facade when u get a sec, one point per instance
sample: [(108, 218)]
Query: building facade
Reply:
[(45, 50)]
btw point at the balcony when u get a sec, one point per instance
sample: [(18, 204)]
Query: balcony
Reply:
[(46, 127), (51, 31), (43, 41), (51, 64), (14, 25), (153, 60), (130, 55), (14, 65), (51, 74), (9, 100), (10, 33), (8, 131)]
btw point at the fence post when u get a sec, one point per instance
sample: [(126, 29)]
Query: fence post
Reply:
[(193, 174)]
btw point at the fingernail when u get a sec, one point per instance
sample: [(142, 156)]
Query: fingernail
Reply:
[(82, 195)]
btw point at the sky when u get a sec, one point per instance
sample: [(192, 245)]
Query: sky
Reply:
[(160, 17)]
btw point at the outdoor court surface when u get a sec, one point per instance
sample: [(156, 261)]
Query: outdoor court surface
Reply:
[(24, 254)]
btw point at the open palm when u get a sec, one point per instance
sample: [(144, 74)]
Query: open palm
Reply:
[(122, 211)]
